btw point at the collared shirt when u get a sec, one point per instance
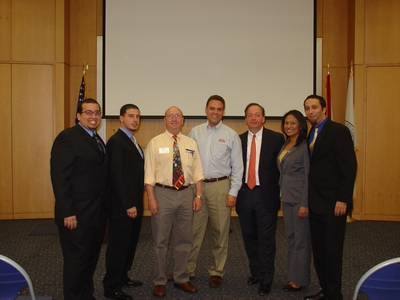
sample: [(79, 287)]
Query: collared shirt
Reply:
[(159, 157), (127, 132), (92, 133), (258, 149), (221, 153)]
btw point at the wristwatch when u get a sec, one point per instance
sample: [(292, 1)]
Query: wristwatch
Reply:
[(200, 197)]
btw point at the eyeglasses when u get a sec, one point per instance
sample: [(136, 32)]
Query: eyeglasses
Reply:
[(91, 113), (173, 115)]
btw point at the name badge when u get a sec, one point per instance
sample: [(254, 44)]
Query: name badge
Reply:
[(163, 150)]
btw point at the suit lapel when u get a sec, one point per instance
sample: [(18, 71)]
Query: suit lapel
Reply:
[(130, 142), (90, 140)]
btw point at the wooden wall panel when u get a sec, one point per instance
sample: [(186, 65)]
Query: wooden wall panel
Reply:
[(33, 30), (382, 166), (32, 138), (382, 27), (335, 33), (83, 36), (6, 201), (359, 113), (5, 30)]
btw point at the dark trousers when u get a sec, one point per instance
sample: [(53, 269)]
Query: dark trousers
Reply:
[(123, 236), (258, 230), (327, 238), (81, 249)]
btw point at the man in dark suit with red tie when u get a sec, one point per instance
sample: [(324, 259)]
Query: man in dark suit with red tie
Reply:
[(258, 199), (125, 185), (333, 167), (76, 169)]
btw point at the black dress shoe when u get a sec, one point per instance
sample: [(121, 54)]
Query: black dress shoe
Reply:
[(133, 283), (118, 295), (252, 280), (317, 296), (264, 289)]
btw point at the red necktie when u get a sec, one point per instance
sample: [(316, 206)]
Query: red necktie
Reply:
[(251, 175)]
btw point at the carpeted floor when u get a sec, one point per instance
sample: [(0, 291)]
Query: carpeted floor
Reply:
[(367, 244)]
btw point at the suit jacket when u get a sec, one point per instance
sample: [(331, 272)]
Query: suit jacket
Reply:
[(125, 176), (267, 170), (294, 169), (76, 170), (333, 167)]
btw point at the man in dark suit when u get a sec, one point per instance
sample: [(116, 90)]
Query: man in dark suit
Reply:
[(76, 169), (258, 199), (125, 184), (333, 167)]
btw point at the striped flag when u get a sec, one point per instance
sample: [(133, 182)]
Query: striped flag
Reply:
[(349, 119), (81, 95)]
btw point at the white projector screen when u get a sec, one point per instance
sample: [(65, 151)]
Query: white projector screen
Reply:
[(160, 53)]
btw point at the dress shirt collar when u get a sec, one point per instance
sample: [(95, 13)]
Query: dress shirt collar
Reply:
[(216, 126), (90, 132), (258, 134), (126, 131), (171, 135)]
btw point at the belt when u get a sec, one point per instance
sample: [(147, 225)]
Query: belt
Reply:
[(172, 187), (207, 180)]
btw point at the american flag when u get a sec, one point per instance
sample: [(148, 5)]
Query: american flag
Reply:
[(81, 95)]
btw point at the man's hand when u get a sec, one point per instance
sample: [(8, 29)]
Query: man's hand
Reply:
[(70, 222), (153, 206), (340, 208), (197, 203), (230, 201), (132, 212), (303, 212)]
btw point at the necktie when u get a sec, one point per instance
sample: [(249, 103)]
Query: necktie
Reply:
[(178, 179), (314, 139), (136, 145), (251, 174), (99, 143)]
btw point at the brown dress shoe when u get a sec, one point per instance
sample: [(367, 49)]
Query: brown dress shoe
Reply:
[(215, 281), (159, 291), (187, 287), (170, 277)]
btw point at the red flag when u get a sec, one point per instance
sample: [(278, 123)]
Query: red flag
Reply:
[(328, 96)]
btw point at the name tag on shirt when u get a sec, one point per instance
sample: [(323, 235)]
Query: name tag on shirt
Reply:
[(163, 150)]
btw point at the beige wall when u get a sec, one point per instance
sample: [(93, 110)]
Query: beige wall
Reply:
[(45, 43)]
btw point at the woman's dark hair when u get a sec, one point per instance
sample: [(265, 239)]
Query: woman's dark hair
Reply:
[(302, 122)]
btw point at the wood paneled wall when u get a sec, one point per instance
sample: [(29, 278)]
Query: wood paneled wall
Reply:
[(45, 43)]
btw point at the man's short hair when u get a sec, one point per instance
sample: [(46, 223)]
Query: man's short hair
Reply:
[(87, 100), (256, 104), (125, 107), (320, 98), (218, 98)]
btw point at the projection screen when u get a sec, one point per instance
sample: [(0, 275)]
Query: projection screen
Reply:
[(160, 53)]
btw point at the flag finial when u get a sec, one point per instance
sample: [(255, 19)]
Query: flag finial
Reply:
[(328, 69), (85, 67)]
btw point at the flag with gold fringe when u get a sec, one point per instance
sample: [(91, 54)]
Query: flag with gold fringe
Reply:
[(349, 118)]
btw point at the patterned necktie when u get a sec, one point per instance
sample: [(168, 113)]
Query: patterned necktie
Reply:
[(99, 143), (178, 179), (136, 145), (251, 176), (314, 139)]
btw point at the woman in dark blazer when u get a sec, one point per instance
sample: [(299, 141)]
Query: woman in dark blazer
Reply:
[(293, 164)]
